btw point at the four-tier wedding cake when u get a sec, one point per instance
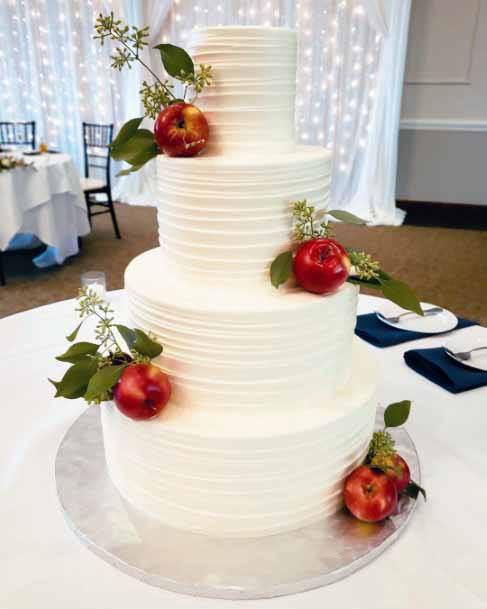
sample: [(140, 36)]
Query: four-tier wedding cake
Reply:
[(273, 396)]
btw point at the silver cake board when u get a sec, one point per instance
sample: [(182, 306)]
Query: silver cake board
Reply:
[(198, 565)]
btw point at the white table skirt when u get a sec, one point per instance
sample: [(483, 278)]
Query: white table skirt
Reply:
[(438, 563), (46, 201)]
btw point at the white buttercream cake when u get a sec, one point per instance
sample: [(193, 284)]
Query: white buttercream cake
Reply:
[(273, 396)]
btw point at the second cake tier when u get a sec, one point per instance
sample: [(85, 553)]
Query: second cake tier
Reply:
[(224, 219)]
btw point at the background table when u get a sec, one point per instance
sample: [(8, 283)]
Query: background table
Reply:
[(45, 200), (438, 563)]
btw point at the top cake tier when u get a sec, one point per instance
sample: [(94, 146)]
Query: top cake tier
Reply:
[(250, 105)]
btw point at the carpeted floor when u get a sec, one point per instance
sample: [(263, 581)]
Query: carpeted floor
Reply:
[(446, 266)]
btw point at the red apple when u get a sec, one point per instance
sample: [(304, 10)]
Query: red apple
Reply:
[(369, 494), (142, 391), (321, 265), (181, 130), (397, 470)]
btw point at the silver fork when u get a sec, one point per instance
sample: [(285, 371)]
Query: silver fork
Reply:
[(465, 355), (395, 318)]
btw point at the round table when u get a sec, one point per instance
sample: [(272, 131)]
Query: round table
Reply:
[(46, 201), (438, 562)]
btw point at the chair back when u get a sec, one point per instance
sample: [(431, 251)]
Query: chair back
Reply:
[(96, 146), (18, 134)]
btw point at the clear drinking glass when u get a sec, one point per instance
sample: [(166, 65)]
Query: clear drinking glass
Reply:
[(96, 281)]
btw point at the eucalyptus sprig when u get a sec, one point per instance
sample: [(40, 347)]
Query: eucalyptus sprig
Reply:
[(197, 80), (132, 40), (309, 224), (382, 446), (154, 97), (312, 224), (364, 267), (97, 366), (133, 145)]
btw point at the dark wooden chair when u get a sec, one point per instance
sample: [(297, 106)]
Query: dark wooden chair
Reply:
[(96, 144), (18, 134)]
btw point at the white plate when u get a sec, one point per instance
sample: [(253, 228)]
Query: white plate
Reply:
[(478, 359), (430, 324)]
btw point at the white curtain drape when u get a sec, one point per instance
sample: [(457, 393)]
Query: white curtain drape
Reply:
[(350, 69), (376, 11), (139, 188), (53, 72), (374, 197)]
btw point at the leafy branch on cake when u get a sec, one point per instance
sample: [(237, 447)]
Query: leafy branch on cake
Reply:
[(320, 264), (180, 129), (116, 367), (372, 490)]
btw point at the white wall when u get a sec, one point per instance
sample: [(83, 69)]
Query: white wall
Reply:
[(443, 144)]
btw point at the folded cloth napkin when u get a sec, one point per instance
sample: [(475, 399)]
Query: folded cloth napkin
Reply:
[(381, 335), (440, 368)]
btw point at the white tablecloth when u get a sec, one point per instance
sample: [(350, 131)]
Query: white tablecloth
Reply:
[(439, 563), (46, 201)]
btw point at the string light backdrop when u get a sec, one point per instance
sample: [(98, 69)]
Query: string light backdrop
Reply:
[(340, 56), (53, 71)]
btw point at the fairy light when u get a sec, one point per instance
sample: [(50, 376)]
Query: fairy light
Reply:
[(337, 62), (57, 48)]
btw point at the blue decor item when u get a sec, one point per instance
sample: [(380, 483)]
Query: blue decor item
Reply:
[(375, 332)]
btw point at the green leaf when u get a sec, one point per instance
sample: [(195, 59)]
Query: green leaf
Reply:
[(383, 275), (368, 283), (139, 160), (146, 154), (129, 170), (77, 352), (412, 490), (56, 385), (145, 345), (74, 382), (345, 216), (103, 380), (126, 132), (141, 140), (281, 269), (175, 60), (397, 414), (401, 294), (127, 334), (74, 333)]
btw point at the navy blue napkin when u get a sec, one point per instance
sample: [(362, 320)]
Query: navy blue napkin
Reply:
[(379, 334), (437, 366)]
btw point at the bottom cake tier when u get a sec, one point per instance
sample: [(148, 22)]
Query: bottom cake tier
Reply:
[(243, 474)]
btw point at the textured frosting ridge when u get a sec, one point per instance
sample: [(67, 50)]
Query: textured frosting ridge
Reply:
[(224, 219), (252, 98), (233, 350), (229, 474)]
